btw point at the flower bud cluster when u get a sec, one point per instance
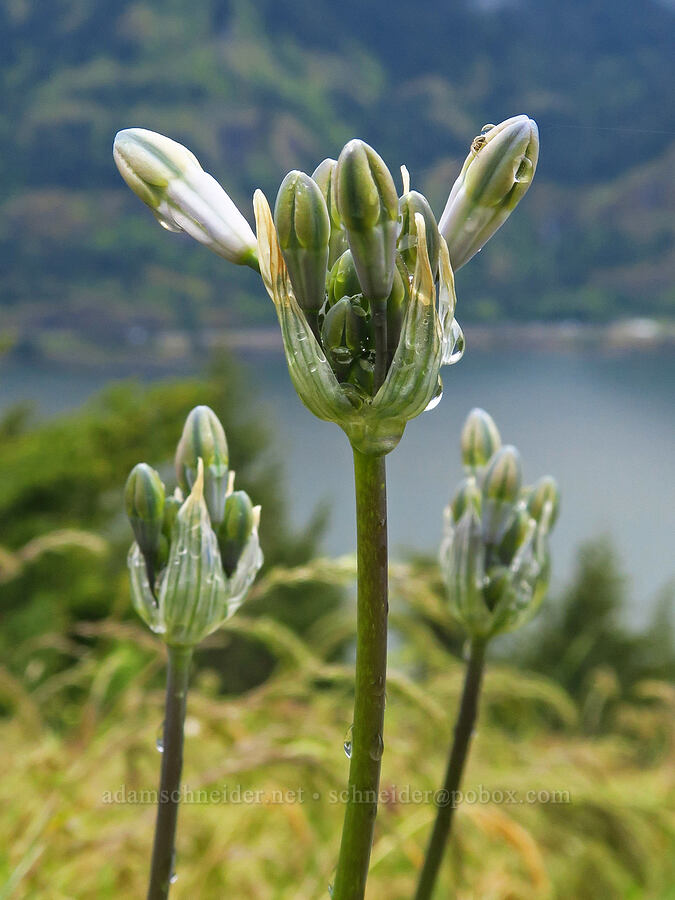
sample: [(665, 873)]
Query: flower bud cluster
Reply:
[(196, 551), (361, 278), (495, 554), (364, 349)]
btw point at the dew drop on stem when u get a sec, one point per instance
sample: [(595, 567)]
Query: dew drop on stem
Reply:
[(348, 742)]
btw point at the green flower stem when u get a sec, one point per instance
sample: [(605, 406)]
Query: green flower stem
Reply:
[(464, 726), (371, 669), (172, 763), (380, 330)]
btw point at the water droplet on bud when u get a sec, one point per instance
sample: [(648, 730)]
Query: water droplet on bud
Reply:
[(525, 171), (348, 742)]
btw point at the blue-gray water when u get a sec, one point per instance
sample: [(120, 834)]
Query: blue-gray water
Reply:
[(603, 426)]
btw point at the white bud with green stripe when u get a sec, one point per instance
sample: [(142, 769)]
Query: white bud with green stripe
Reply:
[(480, 439), (169, 179), (204, 439), (496, 174)]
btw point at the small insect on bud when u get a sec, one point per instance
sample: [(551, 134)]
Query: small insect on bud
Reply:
[(544, 502), (496, 174), (144, 499), (303, 226), (325, 176), (368, 206), (203, 438), (411, 203), (479, 440), (235, 529)]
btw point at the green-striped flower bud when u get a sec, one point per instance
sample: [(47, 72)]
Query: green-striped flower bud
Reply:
[(193, 591), (543, 503), (203, 438), (374, 423), (496, 174), (303, 227), (368, 206), (517, 535), (411, 203), (169, 179), (467, 494), (235, 529), (325, 176), (345, 334), (343, 280), (191, 595), (501, 486), (494, 555), (503, 475), (144, 498), (479, 440), (463, 566)]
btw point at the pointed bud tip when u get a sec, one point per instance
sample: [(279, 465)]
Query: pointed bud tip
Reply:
[(368, 205), (479, 439), (303, 229), (203, 442), (151, 157), (503, 475), (198, 487), (544, 500), (495, 176), (144, 493)]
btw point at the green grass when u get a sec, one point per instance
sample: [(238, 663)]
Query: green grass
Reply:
[(69, 737)]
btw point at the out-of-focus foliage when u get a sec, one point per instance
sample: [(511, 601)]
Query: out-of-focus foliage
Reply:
[(70, 474), (80, 748), (256, 89), (580, 640), (583, 644), (81, 699)]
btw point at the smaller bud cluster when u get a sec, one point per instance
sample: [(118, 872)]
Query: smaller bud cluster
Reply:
[(495, 554), (196, 551)]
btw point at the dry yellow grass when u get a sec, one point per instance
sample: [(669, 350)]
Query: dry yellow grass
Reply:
[(600, 823)]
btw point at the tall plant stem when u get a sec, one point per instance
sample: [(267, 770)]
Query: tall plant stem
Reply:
[(371, 670), (161, 870), (459, 750)]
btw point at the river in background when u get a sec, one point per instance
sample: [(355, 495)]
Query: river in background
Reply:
[(603, 425)]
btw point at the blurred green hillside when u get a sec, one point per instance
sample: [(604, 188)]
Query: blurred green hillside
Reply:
[(256, 89)]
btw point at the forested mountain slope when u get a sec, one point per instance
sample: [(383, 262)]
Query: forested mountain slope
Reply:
[(258, 88)]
